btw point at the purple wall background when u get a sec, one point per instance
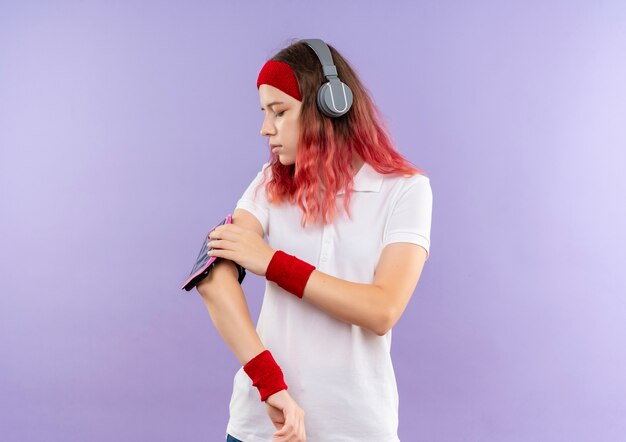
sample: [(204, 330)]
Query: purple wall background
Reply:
[(116, 118)]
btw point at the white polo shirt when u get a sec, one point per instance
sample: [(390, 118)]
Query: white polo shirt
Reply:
[(340, 374)]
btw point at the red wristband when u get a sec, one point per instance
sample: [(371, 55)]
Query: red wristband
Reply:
[(289, 272), (265, 373)]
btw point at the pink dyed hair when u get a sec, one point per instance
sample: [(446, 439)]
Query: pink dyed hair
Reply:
[(324, 159)]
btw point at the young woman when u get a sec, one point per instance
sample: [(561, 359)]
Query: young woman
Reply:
[(337, 280)]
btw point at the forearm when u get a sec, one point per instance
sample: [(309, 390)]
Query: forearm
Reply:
[(227, 306), (355, 303)]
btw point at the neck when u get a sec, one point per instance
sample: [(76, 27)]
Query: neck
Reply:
[(357, 163)]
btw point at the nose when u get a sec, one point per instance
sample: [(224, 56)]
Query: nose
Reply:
[(267, 128)]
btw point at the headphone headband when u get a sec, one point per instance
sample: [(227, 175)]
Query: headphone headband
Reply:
[(334, 98)]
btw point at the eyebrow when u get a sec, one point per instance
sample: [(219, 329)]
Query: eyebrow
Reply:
[(273, 103)]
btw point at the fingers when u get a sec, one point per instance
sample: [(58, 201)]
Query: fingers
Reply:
[(218, 243), (226, 231), (293, 429), (276, 416), (222, 249)]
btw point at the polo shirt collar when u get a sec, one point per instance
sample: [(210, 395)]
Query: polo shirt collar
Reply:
[(367, 179)]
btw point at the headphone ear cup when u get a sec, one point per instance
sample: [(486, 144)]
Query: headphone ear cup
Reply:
[(334, 101)]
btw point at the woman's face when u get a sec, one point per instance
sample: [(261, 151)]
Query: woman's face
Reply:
[(280, 122)]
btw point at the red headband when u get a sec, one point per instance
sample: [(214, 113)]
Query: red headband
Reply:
[(281, 76)]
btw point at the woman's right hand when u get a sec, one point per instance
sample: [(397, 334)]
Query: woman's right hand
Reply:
[(287, 417)]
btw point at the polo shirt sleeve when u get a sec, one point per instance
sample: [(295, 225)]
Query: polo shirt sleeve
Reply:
[(411, 213), (257, 205)]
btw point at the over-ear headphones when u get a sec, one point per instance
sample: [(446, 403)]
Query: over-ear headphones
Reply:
[(334, 98)]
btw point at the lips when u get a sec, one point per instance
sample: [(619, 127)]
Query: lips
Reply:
[(272, 146)]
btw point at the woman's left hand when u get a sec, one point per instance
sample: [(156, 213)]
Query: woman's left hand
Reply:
[(244, 246)]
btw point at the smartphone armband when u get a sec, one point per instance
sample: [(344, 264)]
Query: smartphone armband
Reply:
[(205, 263)]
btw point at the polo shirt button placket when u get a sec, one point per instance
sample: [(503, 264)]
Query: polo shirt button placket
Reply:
[(326, 249)]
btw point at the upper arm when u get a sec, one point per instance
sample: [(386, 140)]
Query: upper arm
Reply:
[(406, 245), (397, 273), (243, 218), (252, 209)]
